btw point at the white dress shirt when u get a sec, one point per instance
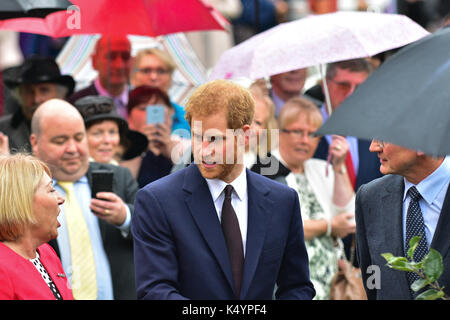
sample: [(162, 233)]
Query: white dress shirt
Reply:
[(239, 200)]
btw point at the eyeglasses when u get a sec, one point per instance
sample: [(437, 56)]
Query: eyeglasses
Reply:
[(300, 133), (113, 55), (148, 71), (343, 85)]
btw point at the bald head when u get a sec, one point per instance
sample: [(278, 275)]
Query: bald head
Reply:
[(49, 109), (105, 41), (58, 138)]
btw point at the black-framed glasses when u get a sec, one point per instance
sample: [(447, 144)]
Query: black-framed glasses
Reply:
[(300, 133), (148, 71)]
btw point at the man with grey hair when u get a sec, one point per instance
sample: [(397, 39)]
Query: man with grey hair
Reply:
[(37, 80)]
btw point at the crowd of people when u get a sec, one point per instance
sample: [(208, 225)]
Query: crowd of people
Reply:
[(231, 196)]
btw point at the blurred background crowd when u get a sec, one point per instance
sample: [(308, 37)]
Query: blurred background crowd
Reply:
[(115, 78)]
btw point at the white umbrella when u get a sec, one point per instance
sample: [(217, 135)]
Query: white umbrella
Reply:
[(316, 40)]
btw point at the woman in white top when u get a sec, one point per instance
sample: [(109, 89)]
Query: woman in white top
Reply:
[(325, 192)]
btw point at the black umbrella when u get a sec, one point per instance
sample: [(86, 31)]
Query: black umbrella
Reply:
[(10, 9), (406, 101)]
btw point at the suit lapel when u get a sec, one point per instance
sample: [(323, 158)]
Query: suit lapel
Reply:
[(200, 203), (392, 225), (259, 207), (440, 239), (391, 213)]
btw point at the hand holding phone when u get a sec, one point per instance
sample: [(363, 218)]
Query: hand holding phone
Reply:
[(155, 113)]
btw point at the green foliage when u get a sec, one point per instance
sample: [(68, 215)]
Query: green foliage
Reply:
[(429, 270)]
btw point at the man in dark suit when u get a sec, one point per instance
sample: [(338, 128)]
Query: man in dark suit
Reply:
[(59, 139), (215, 230), (383, 217), (112, 60)]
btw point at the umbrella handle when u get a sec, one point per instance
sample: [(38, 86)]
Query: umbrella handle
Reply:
[(328, 106), (325, 87)]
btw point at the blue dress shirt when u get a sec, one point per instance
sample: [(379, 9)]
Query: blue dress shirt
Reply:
[(433, 189), (102, 268)]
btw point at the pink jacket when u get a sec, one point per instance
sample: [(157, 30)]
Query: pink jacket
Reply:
[(20, 280)]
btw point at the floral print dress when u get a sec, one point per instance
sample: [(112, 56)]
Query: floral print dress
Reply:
[(323, 251)]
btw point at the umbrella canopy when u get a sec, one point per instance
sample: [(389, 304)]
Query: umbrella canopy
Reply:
[(406, 101), (316, 40), (75, 59), (119, 17), (10, 9)]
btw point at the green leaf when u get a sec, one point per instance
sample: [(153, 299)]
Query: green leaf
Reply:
[(402, 264), (419, 284), (433, 265), (417, 265), (387, 256), (413, 243), (431, 294)]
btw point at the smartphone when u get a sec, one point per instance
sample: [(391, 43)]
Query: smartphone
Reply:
[(155, 113), (102, 181)]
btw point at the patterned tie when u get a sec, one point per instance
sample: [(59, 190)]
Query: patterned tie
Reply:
[(415, 227), (84, 283), (233, 238)]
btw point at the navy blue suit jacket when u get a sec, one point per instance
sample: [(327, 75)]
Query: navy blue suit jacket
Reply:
[(180, 251)]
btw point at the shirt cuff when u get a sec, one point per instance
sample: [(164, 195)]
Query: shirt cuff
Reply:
[(125, 226)]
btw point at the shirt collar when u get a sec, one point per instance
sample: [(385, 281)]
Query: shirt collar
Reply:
[(431, 186), (323, 110), (103, 92), (83, 179), (216, 186), (277, 100)]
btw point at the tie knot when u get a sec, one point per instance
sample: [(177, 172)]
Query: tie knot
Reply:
[(228, 190), (66, 185), (414, 194)]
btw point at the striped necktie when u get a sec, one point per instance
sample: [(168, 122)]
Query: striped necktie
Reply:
[(84, 283)]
